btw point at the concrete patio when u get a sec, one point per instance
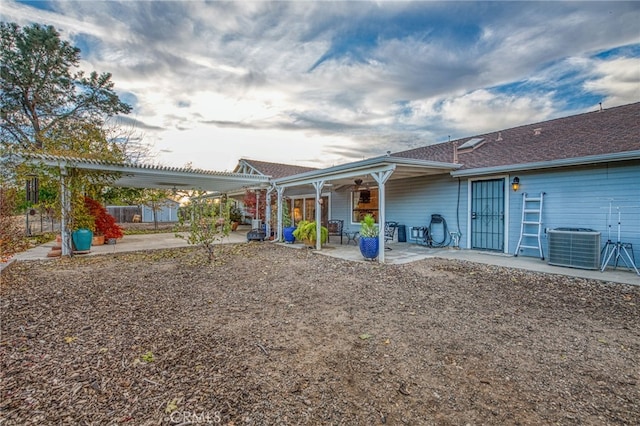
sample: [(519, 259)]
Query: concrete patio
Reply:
[(400, 253)]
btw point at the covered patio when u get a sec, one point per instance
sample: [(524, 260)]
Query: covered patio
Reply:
[(140, 176), (376, 171)]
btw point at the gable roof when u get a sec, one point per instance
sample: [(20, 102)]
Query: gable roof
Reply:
[(273, 170), (609, 131)]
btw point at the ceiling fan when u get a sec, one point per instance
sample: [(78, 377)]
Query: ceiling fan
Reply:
[(357, 186)]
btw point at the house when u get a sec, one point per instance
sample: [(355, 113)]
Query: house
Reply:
[(585, 167), (271, 171)]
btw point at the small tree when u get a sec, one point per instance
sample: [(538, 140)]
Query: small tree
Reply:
[(105, 224), (207, 222), (155, 199)]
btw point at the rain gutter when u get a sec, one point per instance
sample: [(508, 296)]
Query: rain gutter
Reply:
[(579, 161)]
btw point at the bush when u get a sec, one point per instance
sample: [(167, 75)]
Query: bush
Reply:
[(105, 224), (12, 237)]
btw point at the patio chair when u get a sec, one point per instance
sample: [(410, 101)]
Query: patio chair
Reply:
[(335, 228), (389, 232)]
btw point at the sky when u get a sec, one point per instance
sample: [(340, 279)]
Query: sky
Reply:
[(318, 83)]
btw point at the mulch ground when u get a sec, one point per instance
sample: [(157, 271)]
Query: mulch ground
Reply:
[(272, 335)]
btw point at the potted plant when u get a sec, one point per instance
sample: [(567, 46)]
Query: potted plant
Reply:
[(369, 243), (235, 216), (82, 227), (307, 232), (288, 228), (105, 225)]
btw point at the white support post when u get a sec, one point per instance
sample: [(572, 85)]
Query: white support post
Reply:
[(381, 178), (318, 186), (267, 213), (279, 191), (65, 202)]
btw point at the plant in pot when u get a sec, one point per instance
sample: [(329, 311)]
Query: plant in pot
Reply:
[(82, 227), (369, 243), (307, 232), (235, 216), (287, 224), (105, 225)]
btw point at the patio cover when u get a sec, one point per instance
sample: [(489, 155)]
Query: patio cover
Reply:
[(380, 169), (144, 176), (149, 176)]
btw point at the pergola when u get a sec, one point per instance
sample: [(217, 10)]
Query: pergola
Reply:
[(142, 176)]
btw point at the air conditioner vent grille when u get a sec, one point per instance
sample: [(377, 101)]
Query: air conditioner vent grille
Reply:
[(575, 248)]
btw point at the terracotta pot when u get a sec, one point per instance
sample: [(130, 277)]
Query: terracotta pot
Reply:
[(98, 240)]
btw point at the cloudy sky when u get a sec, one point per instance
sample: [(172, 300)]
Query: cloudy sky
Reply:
[(324, 83)]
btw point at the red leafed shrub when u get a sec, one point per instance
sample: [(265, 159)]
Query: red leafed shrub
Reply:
[(105, 223)]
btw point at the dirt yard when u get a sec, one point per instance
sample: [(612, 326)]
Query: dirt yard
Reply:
[(272, 335)]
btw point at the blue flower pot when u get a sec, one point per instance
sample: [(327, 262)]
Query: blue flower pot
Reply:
[(287, 233), (82, 239), (369, 247)]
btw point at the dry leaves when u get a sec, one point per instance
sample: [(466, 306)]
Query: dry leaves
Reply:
[(273, 335)]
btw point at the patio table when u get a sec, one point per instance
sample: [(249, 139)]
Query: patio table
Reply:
[(351, 236)]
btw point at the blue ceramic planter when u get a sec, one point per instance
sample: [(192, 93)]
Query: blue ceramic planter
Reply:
[(287, 233), (369, 247), (82, 239)]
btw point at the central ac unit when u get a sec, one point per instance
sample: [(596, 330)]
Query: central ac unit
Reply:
[(574, 247)]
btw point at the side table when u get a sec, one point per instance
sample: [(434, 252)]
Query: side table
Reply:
[(352, 236)]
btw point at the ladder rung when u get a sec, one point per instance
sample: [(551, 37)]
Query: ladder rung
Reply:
[(530, 235), (529, 247), (533, 199), (532, 211), (526, 222)]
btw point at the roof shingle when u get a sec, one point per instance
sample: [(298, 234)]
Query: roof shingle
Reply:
[(276, 170), (607, 131)]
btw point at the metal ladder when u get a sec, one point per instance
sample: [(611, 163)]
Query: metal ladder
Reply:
[(531, 226)]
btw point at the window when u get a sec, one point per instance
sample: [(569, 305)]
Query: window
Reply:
[(363, 202), (305, 209)]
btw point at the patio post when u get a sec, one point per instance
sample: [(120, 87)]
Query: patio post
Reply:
[(267, 212), (65, 202), (381, 178), (318, 186), (279, 191)]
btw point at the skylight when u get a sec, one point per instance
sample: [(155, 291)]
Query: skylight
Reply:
[(471, 143)]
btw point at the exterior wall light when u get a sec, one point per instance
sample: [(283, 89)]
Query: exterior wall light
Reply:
[(515, 183)]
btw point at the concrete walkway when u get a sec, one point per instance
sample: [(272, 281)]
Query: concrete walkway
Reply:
[(399, 253), (408, 252)]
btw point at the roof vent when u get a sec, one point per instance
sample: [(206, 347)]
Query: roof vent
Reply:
[(499, 138), (471, 144), (537, 131)]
